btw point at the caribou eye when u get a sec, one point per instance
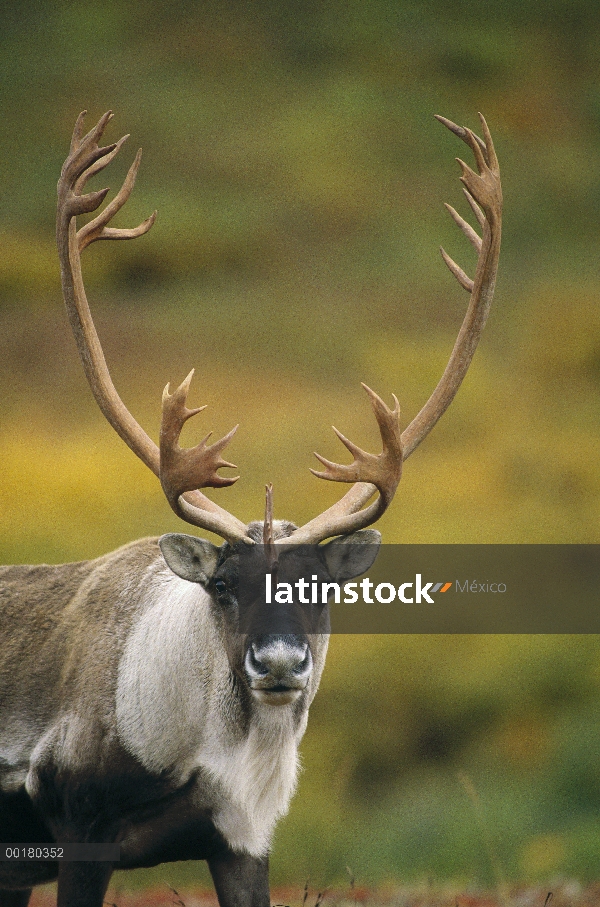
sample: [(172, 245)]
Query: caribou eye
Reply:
[(221, 587)]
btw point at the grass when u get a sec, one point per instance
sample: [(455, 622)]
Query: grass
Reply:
[(559, 893)]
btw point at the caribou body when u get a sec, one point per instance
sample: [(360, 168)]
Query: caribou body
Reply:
[(146, 718), (133, 708)]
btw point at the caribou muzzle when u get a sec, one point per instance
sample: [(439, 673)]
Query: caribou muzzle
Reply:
[(278, 668)]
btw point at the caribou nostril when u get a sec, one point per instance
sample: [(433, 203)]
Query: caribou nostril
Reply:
[(255, 663), (306, 662)]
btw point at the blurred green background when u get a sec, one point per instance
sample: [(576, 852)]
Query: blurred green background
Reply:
[(291, 152)]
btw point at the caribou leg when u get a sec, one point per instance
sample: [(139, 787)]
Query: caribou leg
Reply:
[(82, 884), (240, 880), (15, 898)]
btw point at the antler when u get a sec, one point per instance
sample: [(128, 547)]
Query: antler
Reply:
[(481, 189), (382, 473), (181, 471)]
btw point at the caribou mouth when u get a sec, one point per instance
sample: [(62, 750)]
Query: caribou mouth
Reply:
[(277, 695)]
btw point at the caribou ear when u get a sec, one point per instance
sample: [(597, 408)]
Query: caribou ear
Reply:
[(189, 557), (350, 555)]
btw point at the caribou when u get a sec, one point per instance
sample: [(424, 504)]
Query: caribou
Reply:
[(133, 711)]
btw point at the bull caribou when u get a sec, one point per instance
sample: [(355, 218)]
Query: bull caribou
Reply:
[(132, 710)]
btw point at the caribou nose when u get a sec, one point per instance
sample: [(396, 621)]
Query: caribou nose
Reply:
[(278, 666), (280, 659)]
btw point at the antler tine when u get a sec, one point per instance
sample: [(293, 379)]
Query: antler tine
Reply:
[(85, 159), (77, 130), (466, 228), (96, 228), (133, 233), (268, 539), (461, 132), (100, 164), (85, 151), (184, 470), (475, 208), (187, 469), (268, 522), (95, 133), (368, 472), (487, 144), (381, 470), (463, 279)]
